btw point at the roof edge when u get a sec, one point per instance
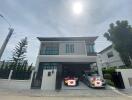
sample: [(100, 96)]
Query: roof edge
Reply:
[(107, 48), (66, 38)]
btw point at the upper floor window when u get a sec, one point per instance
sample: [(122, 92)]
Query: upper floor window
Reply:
[(69, 48), (110, 54), (90, 48), (50, 49)]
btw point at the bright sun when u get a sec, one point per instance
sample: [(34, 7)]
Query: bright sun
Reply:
[(77, 7)]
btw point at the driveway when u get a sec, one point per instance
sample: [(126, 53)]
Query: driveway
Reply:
[(81, 86), (87, 94), (108, 92), (13, 97), (84, 90), (65, 94)]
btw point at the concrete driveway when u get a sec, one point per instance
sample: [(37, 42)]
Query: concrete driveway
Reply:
[(89, 92), (61, 98), (81, 86), (65, 94), (73, 92)]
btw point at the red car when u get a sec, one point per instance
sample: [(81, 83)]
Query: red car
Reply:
[(71, 81)]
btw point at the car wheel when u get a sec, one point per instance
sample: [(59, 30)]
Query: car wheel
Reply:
[(90, 85), (77, 84), (65, 83)]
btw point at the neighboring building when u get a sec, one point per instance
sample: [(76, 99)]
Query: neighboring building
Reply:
[(108, 57), (59, 55)]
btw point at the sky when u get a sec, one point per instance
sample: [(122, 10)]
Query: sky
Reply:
[(56, 18)]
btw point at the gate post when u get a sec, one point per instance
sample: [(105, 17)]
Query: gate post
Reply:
[(10, 74), (31, 78), (59, 78)]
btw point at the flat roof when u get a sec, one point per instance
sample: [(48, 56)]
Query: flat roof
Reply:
[(92, 39)]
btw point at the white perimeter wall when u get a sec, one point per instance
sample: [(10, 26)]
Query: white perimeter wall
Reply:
[(126, 73), (15, 84)]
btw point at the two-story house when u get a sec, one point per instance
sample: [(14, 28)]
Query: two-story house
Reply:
[(108, 57), (59, 55)]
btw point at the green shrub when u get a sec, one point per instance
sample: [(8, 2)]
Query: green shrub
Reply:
[(21, 71), (108, 70), (21, 75), (107, 73), (4, 73), (107, 76)]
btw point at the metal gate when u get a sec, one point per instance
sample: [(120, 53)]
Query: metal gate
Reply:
[(118, 81), (59, 77), (37, 77)]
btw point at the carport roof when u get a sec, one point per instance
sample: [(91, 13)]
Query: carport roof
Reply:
[(92, 39)]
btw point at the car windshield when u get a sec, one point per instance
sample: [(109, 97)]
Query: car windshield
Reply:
[(91, 74), (94, 75)]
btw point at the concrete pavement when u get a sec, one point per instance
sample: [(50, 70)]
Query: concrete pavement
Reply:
[(66, 94), (108, 92), (14, 97), (126, 91)]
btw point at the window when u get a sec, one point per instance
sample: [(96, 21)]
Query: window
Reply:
[(69, 48), (50, 65), (90, 48), (50, 49), (110, 54)]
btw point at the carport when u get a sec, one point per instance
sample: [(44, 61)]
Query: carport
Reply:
[(75, 70), (81, 86)]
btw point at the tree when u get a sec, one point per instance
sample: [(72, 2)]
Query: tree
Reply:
[(19, 52), (2, 66), (30, 67), (25, 65), (121, 37)]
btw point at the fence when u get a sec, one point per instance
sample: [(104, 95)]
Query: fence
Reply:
[(16, 84), (4, 74)]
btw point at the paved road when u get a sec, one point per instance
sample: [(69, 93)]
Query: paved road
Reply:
[(62, 95), (8, 97), (78, 93), (64, 92), (81, 86)]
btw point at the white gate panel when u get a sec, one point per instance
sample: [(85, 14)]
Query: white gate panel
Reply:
[(49, 79)]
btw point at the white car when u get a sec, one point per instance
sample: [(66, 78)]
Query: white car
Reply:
[(93, 80), (71, 81)]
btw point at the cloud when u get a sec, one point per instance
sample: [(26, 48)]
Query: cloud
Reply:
[(55, 18)]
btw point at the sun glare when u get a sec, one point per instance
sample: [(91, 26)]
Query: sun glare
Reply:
[(77, 7)]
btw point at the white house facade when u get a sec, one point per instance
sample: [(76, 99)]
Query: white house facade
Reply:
[(108, 57), (58, 55)]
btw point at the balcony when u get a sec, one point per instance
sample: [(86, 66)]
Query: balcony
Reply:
[(66, 58)]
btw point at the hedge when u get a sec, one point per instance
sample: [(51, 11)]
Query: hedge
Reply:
[(108, 70), (4, 74), (18, 75), (107, 74), (21, 75)]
